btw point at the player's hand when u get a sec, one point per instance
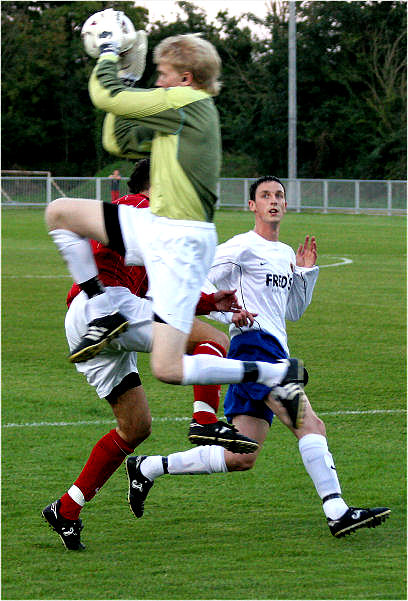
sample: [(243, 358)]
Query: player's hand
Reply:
[(306, 255), (109, 36), (226, 300), (243, 318)]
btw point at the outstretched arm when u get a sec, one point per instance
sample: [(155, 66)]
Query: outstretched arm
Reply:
[(220, 300)]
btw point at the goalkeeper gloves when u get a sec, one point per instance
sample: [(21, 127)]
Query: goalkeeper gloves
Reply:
[(132, 63)]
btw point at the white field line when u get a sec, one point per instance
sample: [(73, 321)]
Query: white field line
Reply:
[(36, 277), (342, 261), (182, 419)]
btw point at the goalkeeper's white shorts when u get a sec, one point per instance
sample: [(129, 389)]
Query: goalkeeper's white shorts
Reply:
[(119, 358), (177, 255)]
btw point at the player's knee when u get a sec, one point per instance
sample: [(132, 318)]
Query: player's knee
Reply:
[(166, 371), (55, 213), (221, 339)]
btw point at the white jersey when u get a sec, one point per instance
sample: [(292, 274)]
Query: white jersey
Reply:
[(267, 281)]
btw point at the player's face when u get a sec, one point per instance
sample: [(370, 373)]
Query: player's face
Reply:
[(168, 77), (270, 204)]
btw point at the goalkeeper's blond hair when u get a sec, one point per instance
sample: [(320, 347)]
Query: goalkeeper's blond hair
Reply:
[(190, 52)]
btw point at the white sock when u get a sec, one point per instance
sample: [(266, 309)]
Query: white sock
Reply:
[(199, 460), (335, 508), (209, 369), (319, 464), (152, 467), (271, 374), (77, 253), (76, 495)]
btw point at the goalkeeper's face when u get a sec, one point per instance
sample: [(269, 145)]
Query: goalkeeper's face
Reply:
[(168, 77)]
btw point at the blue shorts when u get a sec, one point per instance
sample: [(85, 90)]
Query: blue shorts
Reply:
[(247, 398)]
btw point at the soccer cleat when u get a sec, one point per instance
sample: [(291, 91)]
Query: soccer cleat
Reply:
[(139, 485), (222, 434), (100, 332), (355, 518), (296, 373), (293, 399), (68, 530)]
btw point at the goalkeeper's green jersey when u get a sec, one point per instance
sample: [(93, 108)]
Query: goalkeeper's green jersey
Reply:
[(182, 127)]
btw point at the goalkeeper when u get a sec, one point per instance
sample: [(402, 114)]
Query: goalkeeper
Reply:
[(175, 238)]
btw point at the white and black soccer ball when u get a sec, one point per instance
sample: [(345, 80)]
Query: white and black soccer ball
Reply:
[(95, 24)]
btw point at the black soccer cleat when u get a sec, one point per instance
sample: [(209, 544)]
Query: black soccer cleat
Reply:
[(139, 485), (100, 332), (355, 518), (222, 434), (68, 530), (293, 399), (296, 373)]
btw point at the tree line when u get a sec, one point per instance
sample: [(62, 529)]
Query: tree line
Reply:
[(351, 87)]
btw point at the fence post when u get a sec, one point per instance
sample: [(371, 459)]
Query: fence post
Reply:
[(389, 198), (291, 194), (298, 196), (357, 196), (325, 195), (48, 189), (98, 188), (218, 193), (246, 194)]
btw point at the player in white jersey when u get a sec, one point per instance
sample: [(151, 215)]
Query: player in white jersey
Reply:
[(276, 284), (268, 281)]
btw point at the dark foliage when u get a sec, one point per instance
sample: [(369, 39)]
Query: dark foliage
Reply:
[(351, 87)]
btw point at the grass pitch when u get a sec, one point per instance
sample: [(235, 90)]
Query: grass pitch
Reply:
[(254, 535)]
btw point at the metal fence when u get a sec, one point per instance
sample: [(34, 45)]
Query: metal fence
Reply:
[(323, 195)]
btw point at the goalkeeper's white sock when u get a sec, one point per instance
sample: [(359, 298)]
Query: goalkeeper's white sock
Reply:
[(209, 369), (319, 464), (199, 460), (77, 253), (100, 305)]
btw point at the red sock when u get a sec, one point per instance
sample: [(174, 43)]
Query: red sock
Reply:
[(207, 397), (105, 458)]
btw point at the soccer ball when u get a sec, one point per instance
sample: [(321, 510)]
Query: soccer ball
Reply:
[(95, 24)]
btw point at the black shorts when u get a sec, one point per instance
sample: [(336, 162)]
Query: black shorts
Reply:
[(132, 380), (112, 226)]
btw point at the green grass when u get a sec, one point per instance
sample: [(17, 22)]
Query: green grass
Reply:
[(254, 535)]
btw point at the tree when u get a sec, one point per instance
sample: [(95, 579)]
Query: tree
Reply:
[(48, 120), (351, 87)]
